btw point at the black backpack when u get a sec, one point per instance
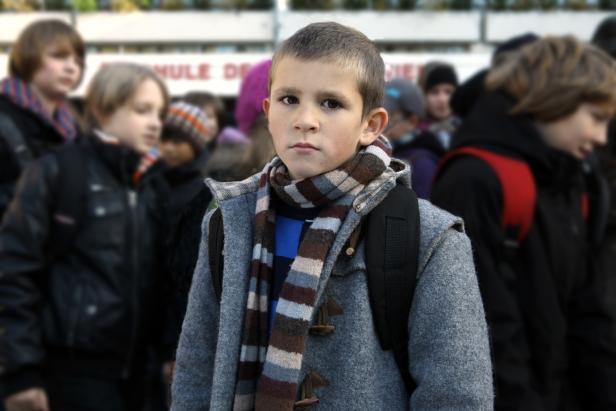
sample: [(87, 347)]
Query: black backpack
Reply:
[(68, 193), (391, 233)]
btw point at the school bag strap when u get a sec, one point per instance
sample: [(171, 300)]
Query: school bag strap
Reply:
[(68, 199), (392, 251), (391, 231), (15, 141), (517, 185)]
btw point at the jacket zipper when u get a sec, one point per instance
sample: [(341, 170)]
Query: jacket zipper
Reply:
[(133, 224)]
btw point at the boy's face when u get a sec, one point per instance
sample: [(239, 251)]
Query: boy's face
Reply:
[(315, 116), (579, 133), (176, 152), (437, 101), (137, 123), (58, 74)]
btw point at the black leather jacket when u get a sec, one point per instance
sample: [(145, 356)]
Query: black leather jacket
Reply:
[(94, 308), (39, 137)]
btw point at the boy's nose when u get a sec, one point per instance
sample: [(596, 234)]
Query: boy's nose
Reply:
[(71, 64), (156, 123), (306, 120), (601, 136)]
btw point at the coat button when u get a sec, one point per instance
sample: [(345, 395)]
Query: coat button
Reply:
[(91, 309), (100, 211)]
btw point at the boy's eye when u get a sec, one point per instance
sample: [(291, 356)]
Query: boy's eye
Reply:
[(289, 100), (601, 117), (142, 109), (331, 104), (59, 54)]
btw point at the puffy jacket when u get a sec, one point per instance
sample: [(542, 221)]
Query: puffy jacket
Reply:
[(93, 307), (549, 312), (39, 136)]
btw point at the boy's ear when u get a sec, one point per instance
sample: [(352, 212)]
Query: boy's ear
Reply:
[(266, 106), (374, 124)]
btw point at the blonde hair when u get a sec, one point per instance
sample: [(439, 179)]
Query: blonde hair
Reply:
[(551, 77), (27, 52), (113, 86)]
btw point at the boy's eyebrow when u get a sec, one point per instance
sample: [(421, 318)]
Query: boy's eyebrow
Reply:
[(287, 90), (322, 94)]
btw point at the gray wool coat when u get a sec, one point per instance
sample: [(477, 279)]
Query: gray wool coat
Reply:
[(448, 340)]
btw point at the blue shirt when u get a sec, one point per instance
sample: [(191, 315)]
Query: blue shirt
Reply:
[(291, 225)]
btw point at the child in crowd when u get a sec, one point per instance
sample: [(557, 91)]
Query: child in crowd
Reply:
[(45, 64), (284, 231), (183, 141), (518, 176), (81, 258), (405, 104), (439, 81), (406, 107)]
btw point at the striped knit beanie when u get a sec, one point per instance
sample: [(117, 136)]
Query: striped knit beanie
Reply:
[(186, 122)]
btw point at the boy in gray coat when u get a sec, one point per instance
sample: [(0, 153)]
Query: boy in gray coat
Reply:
[(285, 271)]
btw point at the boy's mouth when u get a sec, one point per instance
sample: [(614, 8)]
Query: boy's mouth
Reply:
[(304, 146)]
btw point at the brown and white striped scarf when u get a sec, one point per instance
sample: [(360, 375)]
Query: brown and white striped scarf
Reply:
[(269, 370)]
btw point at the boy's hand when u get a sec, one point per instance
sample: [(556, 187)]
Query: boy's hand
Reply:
[(168, 371), (32, 399)]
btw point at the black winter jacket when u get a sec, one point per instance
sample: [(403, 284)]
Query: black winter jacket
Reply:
[(39, 136), (551, 319), (93, 309), (189, 198)]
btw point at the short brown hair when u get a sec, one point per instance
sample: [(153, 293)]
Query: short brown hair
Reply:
[(113, 86), (551, 77), (344, 46), (27, 52)]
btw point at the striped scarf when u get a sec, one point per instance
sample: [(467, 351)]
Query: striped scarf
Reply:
[(268, 371), (20, 94)]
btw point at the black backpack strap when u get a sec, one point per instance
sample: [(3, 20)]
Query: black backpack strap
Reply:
[(392, 251), (15, 140), (216, 242), (69, 199)]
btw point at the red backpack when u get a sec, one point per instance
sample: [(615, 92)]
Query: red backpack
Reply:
[(517, 184)]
